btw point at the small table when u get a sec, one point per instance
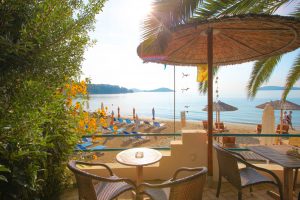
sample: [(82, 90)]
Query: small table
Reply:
[(277, 154), (139, 157)]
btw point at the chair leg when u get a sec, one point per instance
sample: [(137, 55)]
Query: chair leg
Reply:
[(251, 189), (240, 195), (219, 186), (295, 179)]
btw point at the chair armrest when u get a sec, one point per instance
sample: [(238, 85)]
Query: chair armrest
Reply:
[(97, 164), (262, 169), (164, 184), (185, 169)]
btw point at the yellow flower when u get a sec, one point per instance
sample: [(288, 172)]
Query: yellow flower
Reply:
[(69, 102), (77, 106)]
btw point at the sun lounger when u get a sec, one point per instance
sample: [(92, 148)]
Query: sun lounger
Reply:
[(139, 139), (120, 122), (158, 126), (129, 123), (285, 128), (220, 127), (81, 147)]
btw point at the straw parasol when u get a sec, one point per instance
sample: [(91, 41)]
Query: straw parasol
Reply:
[(280, 105), (268, 123), (220, 107), (119, 116), (153, 114), (223, 41), (133, 113)]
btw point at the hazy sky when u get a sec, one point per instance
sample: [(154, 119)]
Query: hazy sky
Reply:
[(113, 60)]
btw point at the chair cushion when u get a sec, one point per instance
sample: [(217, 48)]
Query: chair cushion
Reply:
[(250, 176), (158, 193), (110, 190)]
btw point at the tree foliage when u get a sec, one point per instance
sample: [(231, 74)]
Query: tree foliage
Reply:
[(42, 46)]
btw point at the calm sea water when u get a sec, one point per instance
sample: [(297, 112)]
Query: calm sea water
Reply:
[(163, 104)]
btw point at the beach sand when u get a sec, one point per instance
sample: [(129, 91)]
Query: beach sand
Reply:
[(164, 141)]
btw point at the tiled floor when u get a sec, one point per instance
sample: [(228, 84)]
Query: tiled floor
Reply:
[(227, 193)]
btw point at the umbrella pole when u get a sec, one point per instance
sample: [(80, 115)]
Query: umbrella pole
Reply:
[(174, 102), (210, 99)]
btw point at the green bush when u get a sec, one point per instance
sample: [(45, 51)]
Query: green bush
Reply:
[(42, 46)]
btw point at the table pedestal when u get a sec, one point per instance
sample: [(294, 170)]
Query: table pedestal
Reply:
[(139, 178)]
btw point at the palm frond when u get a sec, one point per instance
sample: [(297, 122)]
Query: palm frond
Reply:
[(296, 13), (261, 73), (292, 78), (217, 8)]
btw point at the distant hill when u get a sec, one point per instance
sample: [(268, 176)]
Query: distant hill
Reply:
[(155, 90), (276, 88), (107, 89), (160, 90)]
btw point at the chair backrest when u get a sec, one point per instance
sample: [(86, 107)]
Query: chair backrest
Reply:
[(228, 166), (220, 125), (205, 124), (190, 187), (258, 128), (84, 182), (285, 128)]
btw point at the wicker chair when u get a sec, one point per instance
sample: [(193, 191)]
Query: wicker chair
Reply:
[(186, 188), (93, 187), (241, 178)]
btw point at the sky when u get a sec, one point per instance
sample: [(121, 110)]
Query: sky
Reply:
[(114, 60)]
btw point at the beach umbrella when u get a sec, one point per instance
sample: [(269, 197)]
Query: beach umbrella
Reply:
[(119, 116), (102, 106), (220, 107), (133, 113), (222, 41), (268, 123), (153, 114), (112, 118), (280, 105)]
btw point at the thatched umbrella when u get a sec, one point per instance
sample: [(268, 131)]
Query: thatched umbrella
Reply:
[(280, 105), (220, 107), (223, 41)]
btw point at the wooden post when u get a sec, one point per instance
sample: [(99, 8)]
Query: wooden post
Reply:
[(210, 100)]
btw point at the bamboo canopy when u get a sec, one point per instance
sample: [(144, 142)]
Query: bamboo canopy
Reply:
[(280, 105), (222, 41), (237, 39), (221, 107)]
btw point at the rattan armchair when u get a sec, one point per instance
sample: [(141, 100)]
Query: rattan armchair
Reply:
[(93, 187), (186, 188), (244, 177)]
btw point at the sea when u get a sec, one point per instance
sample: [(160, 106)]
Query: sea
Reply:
[(192, 104)]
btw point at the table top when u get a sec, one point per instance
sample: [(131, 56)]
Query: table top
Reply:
[(277, 154), (138, 156)]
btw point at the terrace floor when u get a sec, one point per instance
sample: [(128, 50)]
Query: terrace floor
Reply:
[(227, 192)]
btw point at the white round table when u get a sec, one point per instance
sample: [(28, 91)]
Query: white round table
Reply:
[(139, 157)]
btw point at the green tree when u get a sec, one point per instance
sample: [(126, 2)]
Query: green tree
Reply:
[(42, 47), (168, 14)]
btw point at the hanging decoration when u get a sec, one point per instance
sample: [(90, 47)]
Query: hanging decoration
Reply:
[(202, 72)]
